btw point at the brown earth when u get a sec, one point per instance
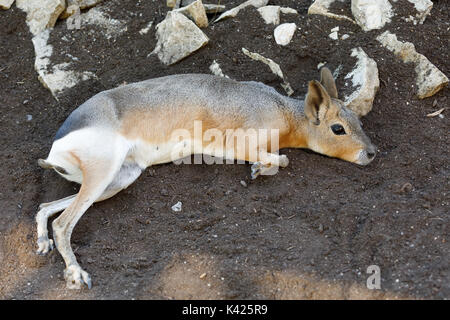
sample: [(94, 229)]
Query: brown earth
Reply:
[(309, 232)]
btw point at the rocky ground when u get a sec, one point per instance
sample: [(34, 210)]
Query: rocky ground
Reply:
[(311, 231)]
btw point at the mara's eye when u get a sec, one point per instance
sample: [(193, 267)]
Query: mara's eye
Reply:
[(338, 129)]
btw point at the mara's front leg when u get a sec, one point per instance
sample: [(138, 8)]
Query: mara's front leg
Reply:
[(263, 162), (268, 164)]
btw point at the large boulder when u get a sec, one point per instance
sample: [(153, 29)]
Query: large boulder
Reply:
[(423, 8), (429, 78), (365, 78), (321, 7), (196, 12), (372, 14), (274, 67), (177, 38), (233, 12), (270, 14), (6, 4), (41, 14), (55, 77)]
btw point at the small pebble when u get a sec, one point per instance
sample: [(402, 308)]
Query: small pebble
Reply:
[(177, 207), (244, 184), (320, 228), (334, 35)]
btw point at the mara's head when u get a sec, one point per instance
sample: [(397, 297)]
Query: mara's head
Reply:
[(333, 129)]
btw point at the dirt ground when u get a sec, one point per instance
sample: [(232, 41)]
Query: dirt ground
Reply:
[(309, 232)]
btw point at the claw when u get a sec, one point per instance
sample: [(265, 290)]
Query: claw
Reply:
[(284, 161), (44, 245), (76, 277), (256, 170)]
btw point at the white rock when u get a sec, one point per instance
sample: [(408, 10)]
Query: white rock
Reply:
[(321, 7), (214, 8), (58, 77), (185, 3), (177, 206), (345, 36), (6, 4), (334, 35), (274, 67), (335, 29), (41, 14), (372, 14), (146, 28), (196, 12), (233, 12), (429, 78), (365, 78), (286, 10), (171, 3), (177, 38), (270, 14), (216, 70), (284, 32), (72, 6), (423, 8)]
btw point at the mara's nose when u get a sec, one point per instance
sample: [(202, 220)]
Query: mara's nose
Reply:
[(371, 152)]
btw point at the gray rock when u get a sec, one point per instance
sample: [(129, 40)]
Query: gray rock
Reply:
[(55, 77), (372, 14), (365, 77), (270, 14), (274, 67), (429, 78), (196, 12), (6, 4), (321, 7), (286, 10), (214, 8), (177, 37), (423, 8), (233, 12), (41, 14)]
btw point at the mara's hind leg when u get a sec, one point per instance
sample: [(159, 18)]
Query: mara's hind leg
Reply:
[(127, 175), (97, 175), (47, 210)]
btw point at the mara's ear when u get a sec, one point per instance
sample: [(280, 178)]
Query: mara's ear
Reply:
[(317, 102), (327, 80)]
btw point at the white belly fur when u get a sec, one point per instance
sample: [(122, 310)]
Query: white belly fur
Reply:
[(146, 154)]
